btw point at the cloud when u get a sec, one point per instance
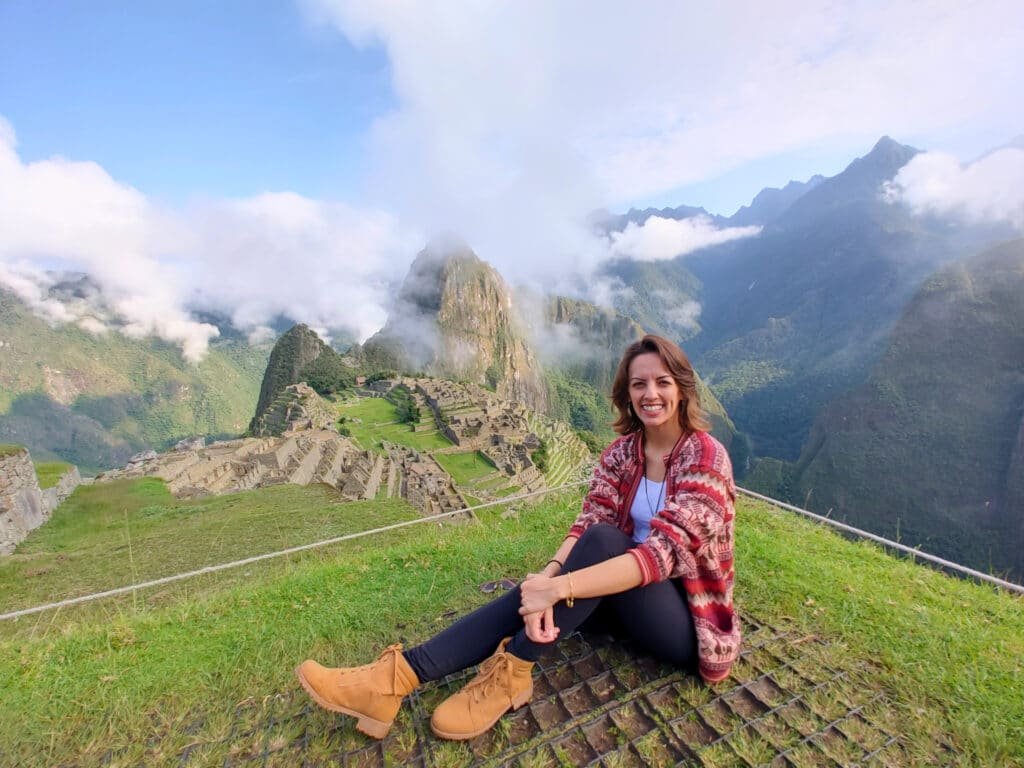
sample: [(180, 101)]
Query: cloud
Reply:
[(988, 190), (514, 120), (658, 239), (327, 264), (74, 215), (685, 316)]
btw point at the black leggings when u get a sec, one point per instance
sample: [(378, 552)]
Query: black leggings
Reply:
[(656, 616)]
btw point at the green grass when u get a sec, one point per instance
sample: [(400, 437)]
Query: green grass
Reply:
[(949, 653), (108, 535), (379, 422), (49, 473), (467, 467), (6, 449)]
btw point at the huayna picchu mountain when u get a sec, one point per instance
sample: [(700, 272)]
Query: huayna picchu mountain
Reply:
[(453, 318)]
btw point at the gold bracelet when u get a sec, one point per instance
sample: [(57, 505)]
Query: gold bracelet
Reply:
[(570, 600)]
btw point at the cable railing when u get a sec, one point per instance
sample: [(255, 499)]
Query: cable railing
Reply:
[(915, 553), (272, 555), (888, 543)]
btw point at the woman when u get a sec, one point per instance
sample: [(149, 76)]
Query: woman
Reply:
[(652, 550)]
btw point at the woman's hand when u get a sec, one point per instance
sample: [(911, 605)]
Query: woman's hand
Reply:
[(540, 626), (538, 593)]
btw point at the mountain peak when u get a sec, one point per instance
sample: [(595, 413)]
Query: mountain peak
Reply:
[(887, 154), (446, 247), (858, 183), (453, 318), (770, 202)]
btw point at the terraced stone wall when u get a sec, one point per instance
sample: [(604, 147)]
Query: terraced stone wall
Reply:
[(23, 505)]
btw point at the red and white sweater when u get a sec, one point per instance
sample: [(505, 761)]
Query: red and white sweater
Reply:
[(691, 537)]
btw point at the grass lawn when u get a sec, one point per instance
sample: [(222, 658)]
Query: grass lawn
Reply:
[(378, 417), (6, 449), (948, 653), (49, 473), (109, 535), (465, 467)]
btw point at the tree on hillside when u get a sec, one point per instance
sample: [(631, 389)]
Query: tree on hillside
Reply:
[(328, 374)]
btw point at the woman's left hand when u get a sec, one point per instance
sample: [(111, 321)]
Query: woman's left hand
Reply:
[(538, 593)]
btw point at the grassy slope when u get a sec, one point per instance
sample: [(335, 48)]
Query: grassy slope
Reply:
[(81, 681), (123, 394), (111, 534), (49, 473)]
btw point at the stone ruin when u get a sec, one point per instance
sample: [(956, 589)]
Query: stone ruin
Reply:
[(423, 482), (297, 407), (301, 457), (472, 417), (24, 506)]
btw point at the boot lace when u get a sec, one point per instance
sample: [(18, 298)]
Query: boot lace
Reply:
[(489, 678), (392, 651)]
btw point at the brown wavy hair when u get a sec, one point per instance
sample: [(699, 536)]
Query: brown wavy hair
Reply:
[(691, 415)]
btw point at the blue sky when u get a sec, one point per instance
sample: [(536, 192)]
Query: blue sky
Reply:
[(160, 145), (191, 98), (185, 99)]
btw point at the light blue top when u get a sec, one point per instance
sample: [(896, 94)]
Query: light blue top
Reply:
[(649, 498)]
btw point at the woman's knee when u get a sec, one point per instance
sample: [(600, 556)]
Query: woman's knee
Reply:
[(600, 542)]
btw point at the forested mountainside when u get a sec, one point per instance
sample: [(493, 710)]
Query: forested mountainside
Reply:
[(794, 317), (94, 400), (930, 449)]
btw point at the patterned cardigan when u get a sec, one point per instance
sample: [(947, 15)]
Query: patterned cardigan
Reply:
[(690, 539)]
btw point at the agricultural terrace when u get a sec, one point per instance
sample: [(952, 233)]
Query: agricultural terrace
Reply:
[(372, 420)]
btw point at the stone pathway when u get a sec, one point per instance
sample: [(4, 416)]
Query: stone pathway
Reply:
[(600, 704)]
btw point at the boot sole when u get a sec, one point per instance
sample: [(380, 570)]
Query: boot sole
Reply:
[(520, 701), (377, 729)]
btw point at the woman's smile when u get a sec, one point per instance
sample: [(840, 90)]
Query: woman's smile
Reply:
[(653, 391)]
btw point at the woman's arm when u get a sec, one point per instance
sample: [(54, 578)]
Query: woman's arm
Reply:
[(552, 568), (614, 575)]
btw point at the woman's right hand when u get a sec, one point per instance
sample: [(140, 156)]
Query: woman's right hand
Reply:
[(540, 626)]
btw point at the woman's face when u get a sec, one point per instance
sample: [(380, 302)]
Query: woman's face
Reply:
[(653, 392)]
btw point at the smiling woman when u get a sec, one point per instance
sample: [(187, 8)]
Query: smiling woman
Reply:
[(659, 572)]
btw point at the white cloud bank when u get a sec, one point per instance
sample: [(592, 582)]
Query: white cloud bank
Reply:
[(514, 119), (988, 190), (326, 264), (75, 215), (658, 238)]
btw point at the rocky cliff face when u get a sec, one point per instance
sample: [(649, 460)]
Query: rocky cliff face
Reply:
[(453, 318), (584, 340), (23, 505), (296, 349)]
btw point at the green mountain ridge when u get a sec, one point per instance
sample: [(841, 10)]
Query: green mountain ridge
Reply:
[(796, 316), (929, 448), (96, 400)]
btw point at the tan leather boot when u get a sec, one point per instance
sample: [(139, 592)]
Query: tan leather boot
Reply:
[(504, 682), (373, 692)]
